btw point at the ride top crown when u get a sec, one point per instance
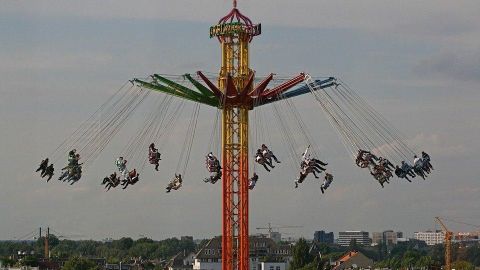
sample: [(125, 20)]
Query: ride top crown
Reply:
[(235, 23)]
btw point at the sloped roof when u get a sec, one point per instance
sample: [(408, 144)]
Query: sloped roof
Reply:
[(347, 256), (178, 259), (359, 257), (213, 249)]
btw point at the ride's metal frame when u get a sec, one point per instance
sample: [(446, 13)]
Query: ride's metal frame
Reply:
[(236, 94)]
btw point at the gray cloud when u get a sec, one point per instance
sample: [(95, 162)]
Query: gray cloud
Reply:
[(452, 65)]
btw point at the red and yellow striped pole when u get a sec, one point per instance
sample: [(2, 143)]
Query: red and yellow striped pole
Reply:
[(235, 245)]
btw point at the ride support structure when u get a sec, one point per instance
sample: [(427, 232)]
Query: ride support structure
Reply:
[(235, 94), (234, 74)]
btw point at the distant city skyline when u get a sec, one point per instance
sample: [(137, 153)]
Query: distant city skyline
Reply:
[(418, 63)]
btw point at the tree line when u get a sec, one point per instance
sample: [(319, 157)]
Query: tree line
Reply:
[(412, 254), (113, 251)]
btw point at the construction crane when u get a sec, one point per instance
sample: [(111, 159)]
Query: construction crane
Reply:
[(61, 235), (448, 244), (270, 228)]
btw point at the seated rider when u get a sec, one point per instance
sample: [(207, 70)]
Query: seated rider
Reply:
[(310, 166), (214, 177), (326, 183), (72, 173), (401, 174), (113, 177), (319, 162), (213, 164), (301, 178), (268, 154), (175, 184), (43, 166), (316, 164), (252, 181), (153, 156), (417, 162), (312, 161), (108, 179), (112, 181), (72, 153), (48, 171), (65, 173), (121, 165), (418, 167), (385, 163), (132, 178), (407, 168), (371, 158), (73, 158), (73, 170), (360, 160), (426, 160), (380, 174), (260, 159)]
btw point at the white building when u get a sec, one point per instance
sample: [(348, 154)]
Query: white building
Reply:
[(181, 261), (360, 237), (431, 238), (265, 254), (388, 238)]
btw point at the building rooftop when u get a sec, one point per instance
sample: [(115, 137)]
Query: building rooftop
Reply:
[(260, 246)]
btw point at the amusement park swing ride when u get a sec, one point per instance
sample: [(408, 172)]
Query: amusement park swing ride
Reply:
[(372, 142)]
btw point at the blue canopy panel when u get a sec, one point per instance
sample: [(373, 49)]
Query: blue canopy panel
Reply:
[(300, 91)]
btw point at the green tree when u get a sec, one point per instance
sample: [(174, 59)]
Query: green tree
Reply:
[(6, 261), (123, 244), (30, 261), (473, 254), (463, 265), (301, 255), (80, 263), (323, 248), (409, 258), (353, 245)]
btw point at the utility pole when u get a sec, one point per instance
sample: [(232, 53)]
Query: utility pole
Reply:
[(46, 251)]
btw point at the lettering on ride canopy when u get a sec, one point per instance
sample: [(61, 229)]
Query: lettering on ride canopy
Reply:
[(235, 28)]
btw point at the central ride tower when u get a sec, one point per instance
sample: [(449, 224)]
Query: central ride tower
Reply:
[(235, 32), (235, 94)]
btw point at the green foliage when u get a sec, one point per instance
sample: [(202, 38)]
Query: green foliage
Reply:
[(30, 261), (323, 248), (409, 260), (310, 266), (463, 265), (6, 261), (114, 251), (470, 254), (406, 254), (437, 252), (301, 255), (424, 262), (123, 244), (80, 263), (353, 245)]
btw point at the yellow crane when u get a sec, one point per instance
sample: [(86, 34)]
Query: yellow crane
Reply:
[(448, 244)]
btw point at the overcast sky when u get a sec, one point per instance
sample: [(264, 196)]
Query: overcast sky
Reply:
[(417, 62)]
